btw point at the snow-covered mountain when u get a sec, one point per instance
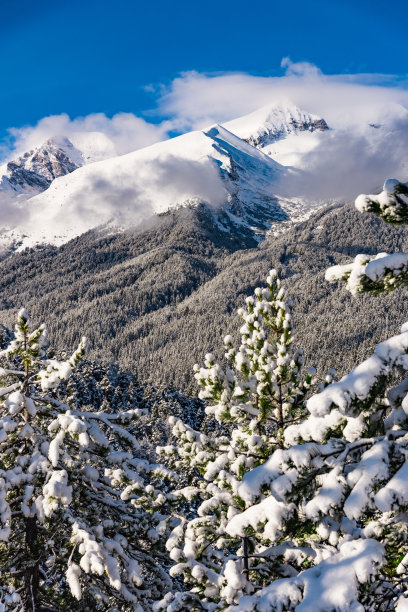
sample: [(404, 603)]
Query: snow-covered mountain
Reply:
[(242, 171), (281, 130), (215, 167), (35, 170)]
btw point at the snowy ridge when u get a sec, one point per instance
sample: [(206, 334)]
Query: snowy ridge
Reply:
[(258, 173)]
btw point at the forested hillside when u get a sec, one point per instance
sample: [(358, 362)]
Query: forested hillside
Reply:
[(157, 299)]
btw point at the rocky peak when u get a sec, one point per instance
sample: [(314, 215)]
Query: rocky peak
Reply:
[(36, 169), (272, 123)]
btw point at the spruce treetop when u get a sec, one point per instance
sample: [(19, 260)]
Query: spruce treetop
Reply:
[(220, 551)]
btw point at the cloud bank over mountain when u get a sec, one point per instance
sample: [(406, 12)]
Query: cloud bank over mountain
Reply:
[(366, 143), (349, 161), (123, 133), (194, 100), (127, 195), (367, 113)]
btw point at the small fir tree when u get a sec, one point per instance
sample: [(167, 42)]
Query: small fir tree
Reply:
[(303, 513)]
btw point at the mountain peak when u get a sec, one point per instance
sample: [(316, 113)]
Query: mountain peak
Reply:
[(275, 122), (35, 170)]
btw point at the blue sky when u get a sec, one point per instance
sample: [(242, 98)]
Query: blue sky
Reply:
[(88, 56)]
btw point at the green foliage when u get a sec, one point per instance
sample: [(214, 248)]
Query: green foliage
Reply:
[(392, 205)]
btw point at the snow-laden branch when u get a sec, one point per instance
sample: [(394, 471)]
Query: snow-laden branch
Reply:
[(343, 402), (332, 585), (375, 274), (383, 272), (391, 204)]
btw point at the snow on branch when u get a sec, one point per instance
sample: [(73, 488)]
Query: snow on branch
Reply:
[(374, 274), (391, 204), (332, 585), (382, 272), (344, 402)]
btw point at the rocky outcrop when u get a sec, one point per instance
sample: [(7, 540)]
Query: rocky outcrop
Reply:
[(294, 125), (275, 122)]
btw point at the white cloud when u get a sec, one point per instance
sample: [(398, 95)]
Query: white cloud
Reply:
[(122, 133), (196, 100), (126, 192), (352, 158), (130, 194)]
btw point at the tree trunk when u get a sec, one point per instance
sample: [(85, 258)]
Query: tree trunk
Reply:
[(245, 555), (280, 416), (32, 573)]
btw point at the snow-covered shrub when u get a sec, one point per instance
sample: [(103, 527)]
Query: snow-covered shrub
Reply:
[(72, 483)]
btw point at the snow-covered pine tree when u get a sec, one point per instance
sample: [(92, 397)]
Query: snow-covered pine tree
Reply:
[(382, 272), (224, 551), (352, 527), (360, 428), (72, 532)]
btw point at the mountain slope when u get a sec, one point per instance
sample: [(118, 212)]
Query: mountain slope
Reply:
[(230, 170), (213, 167), (158, 299)]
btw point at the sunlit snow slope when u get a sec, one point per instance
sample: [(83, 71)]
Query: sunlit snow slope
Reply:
[(213, 167)]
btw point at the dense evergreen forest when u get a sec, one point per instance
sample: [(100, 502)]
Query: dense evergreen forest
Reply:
[(156, 299)]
